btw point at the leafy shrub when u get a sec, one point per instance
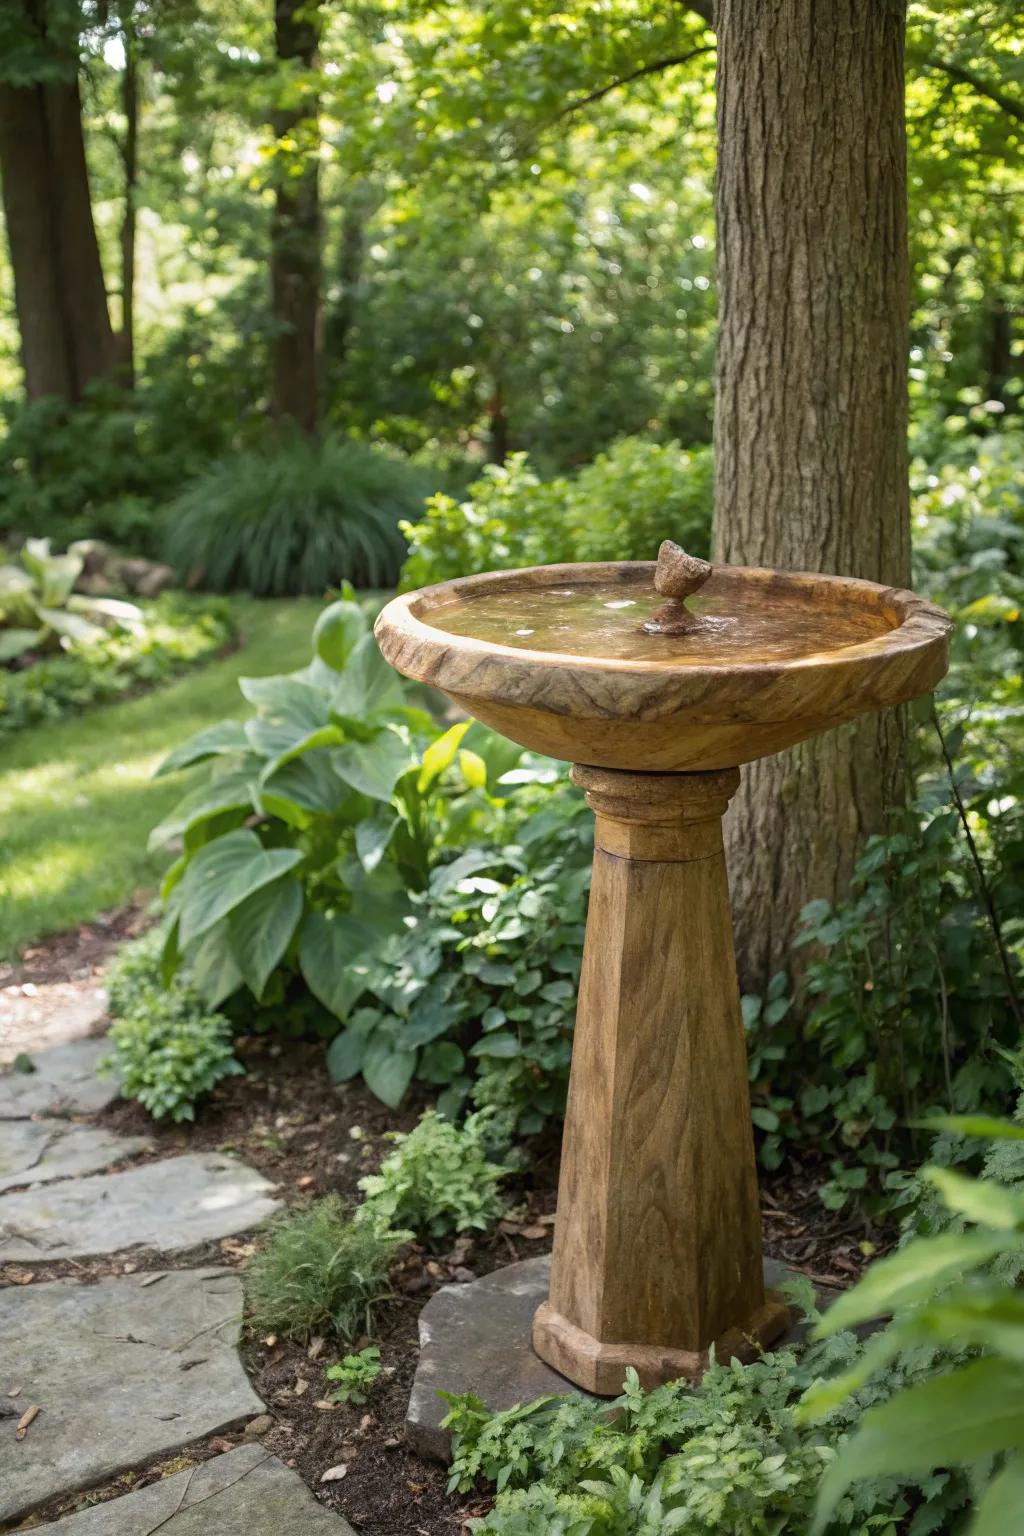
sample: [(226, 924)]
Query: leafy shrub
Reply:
[(944, 1296), (40, 611), (354, 1375), (318, 1271), (438, 1180), (168, 1049), (477, 994), (297, 515), (732, 1456), (620, 507), (177, 632), (319, 815)]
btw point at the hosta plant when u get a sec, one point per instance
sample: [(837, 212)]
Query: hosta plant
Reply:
[(39, 609), (316, 817)]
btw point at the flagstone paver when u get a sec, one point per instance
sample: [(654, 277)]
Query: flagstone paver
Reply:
[(38, 1151), (246, 1492), (65, 1082), (122, 1370), (169, 1206)]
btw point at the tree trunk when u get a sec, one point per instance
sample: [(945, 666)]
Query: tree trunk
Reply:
[(811, 410), (129, 220), (295, 234), (66, 338)]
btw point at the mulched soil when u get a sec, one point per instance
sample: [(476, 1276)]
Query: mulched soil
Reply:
[(311, 1139)]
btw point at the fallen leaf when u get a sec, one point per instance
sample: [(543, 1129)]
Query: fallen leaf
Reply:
[(306, 1180), (324, 1406), (335, 1474), (14, 1392), (535, 1233), (150, 1280), (270, 1340), (316, 1347), (300, 1387), (26, 1420)]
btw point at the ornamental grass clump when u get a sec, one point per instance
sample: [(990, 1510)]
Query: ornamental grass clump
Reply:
[(318, 1271)]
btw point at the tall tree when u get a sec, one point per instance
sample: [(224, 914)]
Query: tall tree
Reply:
[(811, 404), (295, 233), (64, 324)]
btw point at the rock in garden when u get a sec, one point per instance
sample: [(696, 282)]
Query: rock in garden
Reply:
[(63, 1081), (476, 1338), (171, 1205), (244, 1493), (39, 1151), (122, 1371)]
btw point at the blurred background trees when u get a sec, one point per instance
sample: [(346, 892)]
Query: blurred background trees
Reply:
[(460, 232)]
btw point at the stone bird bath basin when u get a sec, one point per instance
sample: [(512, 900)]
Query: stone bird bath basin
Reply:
[(657, 681)]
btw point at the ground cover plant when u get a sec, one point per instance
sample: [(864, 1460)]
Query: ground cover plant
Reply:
[(438, 1181), (77, 798), (174, 632)]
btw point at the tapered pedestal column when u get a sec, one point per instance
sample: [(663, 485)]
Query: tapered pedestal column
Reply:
[(657, 1241)]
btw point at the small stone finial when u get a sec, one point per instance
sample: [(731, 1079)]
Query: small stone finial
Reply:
[(678, 574)]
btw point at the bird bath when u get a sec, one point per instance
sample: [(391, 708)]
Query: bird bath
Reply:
[(657, 682)]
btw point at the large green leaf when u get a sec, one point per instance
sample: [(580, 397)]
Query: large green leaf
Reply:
[(307, 785), (987, 1126), (223, 874), (338, 631), (289, 712), (226, 791), (374, 767), (216, 740), (323, 736), (261, 929), (15, 642), (912, 1274), (1001, 1510), (215, 975), (948, 1420), (981, 1200), (331, 950), (70, 626), (367, 685), (55, 574), (387, 1070)]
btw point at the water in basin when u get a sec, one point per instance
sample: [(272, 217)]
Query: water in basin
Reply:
[(736, 623)]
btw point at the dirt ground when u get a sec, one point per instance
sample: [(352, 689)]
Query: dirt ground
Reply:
[(311, 1139)]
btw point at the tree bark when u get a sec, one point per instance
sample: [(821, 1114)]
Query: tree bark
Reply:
[(129, 219), (61, 301), (296, 232), (811, 408)]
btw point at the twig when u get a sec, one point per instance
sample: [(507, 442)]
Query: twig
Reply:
[(654, 68), (213, 1494), (986, 894)]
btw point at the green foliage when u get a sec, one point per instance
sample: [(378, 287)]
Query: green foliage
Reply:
[(40, 611), (943, 1295), (438, 1180), (100, 469), (318, 816), (296, 515), (169, 1050), (318, 1271), (176, 632), (354, 1375), (732, 1456), (477, 995), (620, 507)]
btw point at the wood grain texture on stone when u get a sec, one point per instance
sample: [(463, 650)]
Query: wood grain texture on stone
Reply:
[(658, 1240), (702, 701)]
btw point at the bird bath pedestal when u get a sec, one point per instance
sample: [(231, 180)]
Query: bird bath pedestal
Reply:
[(657, 682)]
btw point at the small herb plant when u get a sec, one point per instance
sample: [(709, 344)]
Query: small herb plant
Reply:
[(354, 1375), (438, 1180), (168, 1049), (318, 1271), (40, 611)]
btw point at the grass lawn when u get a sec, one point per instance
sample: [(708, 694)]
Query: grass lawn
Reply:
[(77, 798)]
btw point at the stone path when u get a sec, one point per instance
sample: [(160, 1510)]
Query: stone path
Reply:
[(36, 1151), (243, 1493), (125, 1370), (65, 1082), (172, 1205)]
